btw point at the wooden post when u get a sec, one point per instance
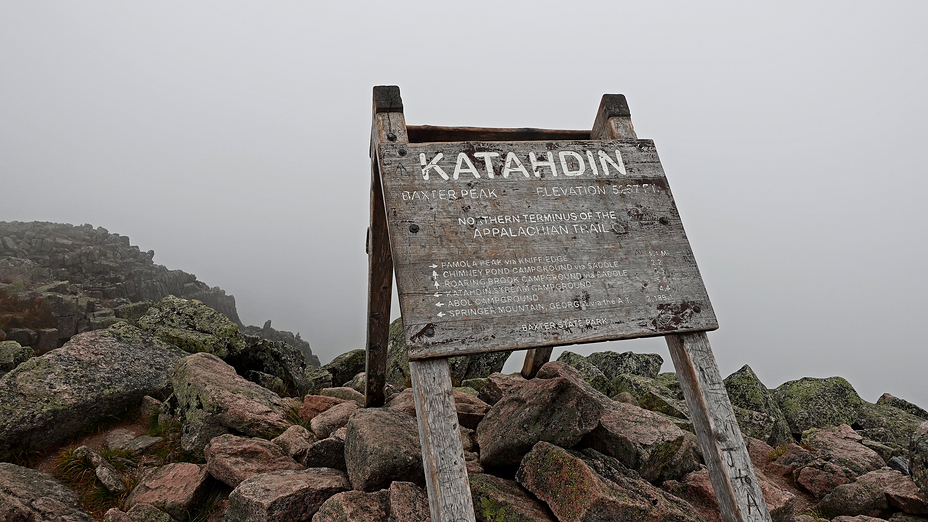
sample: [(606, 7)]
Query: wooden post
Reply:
[(730, 469), (389, 125), (442, 451), (613, 122)]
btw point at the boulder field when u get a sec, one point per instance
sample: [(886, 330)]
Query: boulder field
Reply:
[(603, 437)]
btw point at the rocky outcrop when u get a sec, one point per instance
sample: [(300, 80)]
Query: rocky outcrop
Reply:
[(817, 403), (48, 399), (747, 392), (269, 333)]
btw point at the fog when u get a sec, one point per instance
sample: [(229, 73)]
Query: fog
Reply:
[(232, 139)]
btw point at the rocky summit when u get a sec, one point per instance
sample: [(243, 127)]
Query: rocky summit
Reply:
[(156, 407)]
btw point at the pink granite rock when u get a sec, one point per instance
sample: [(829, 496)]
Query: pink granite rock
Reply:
[(355, 506), (333, 418), (901, 492), (174, 488), (408, 503), (284, 495), (315, 404), (232, 459)]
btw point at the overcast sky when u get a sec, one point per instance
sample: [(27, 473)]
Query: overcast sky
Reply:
[(232, 139)]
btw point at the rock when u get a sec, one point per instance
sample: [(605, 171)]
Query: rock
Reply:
[(918, 457), (470, 409), (295, 442), (408, 503), (266, 332), (284, 495), (696, 488), (138, 513), (358, 382), (817, 403), (315, 404), (899, 464), (613, 364), (574, 492), (841, 445), (316, 378), (47, 400), (887, 425), (193, 327), (500, 499), (498, 385), (355, 506), (746, 391), (858, 518), (644, 441), (856, 498), (346, 366), (820, 477), (333, 418), (213, 399), (557, 406), (232, 459), (276, 358), (589, 371), (327, 453), (12, 354), (48, 339), (30, 495), (900, 491), (382, 445), (650, 395), (174, 488), (474, 384), (23, 336), (344, 393), (902, 404)]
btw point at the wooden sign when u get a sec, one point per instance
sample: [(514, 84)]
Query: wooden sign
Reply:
[(504, 239), (510, 245)]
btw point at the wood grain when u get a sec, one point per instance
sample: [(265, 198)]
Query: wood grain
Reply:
[(730, 469), (442, 451), (430, 133), (528, 261), (387, 125)]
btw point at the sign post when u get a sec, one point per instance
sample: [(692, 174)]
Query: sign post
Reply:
[(509, 239)]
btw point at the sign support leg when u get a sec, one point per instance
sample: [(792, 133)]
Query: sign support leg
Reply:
[(442, 451), (730, 469)]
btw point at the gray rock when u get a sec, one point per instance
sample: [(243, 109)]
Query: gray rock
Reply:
[(900, 464), (47, 400), (817, 403), (382, 445), (333, 418), (275, 358), (12, 354), (211, 399), (887, 425), (746, 391), (316, 379), (500, 499), (498, 385), (902, 404), (326, 453), (557, 406), (344, 393), (284, 495), (30, 495), (918, 457), (644, 441), (589, 371), (193, 327), (344, 367), (613, 364)]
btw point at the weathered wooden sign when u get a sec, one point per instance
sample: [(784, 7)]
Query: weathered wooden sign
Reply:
[(504, 239), (509, 245)]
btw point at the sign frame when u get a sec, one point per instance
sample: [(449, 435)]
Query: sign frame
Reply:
[(730, 469)]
